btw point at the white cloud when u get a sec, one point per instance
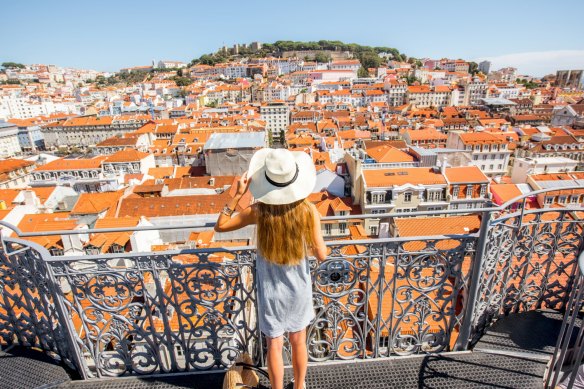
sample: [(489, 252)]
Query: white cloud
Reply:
[(539, 63)]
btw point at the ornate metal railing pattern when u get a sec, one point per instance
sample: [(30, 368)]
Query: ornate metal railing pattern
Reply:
[(529, 263), (160, 313), (567, 359), (196, 309), (29, 311), (393, 296)]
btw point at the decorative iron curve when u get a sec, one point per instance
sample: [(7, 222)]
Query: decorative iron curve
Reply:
[(529, 263), (156, 313)]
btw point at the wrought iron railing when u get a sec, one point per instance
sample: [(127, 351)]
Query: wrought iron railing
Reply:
[(188, 310), (567, 361)]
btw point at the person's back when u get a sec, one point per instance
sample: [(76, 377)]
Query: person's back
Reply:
[(288, 226)]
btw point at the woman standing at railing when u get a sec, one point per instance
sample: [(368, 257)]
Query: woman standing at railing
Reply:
[(288, 228)]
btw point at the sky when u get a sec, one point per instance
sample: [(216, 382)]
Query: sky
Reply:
[(538, 37)]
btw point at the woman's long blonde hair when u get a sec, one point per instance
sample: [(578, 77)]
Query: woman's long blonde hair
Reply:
[(285, 231)]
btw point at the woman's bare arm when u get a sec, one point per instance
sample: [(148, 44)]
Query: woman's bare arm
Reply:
[(246, 217), (318, 246)]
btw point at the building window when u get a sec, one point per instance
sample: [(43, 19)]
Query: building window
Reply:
[(549, 200), (327, 229), (469, 191), (342, 227), (574, 199), (90, 250), (56, 251), (407, 197), (373, 230), (455, 190), (483, 190), (562, 199), (378, 198)]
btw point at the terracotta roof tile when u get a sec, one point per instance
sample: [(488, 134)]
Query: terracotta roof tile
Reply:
[(73, 164), (127, 155), (95, 203), (402, 176), (465, 174)]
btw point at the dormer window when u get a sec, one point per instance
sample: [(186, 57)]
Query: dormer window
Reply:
[(455, 191)]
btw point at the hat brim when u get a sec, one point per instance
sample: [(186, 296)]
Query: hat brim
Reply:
[(267, 193)]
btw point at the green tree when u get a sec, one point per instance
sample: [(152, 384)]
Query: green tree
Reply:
[(282, 138), (411, 80), (362, 73), (182, 81), (473, 68), (270, 139), (370, 60), (12, 65), (322, 57)]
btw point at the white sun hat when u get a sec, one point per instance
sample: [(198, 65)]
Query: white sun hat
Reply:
[(280, 176)]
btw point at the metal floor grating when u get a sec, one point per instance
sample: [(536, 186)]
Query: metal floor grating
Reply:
[(529, 335), (533, 332), (453, 371), (22, 368)]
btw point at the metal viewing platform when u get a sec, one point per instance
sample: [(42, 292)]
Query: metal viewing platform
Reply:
[(392, 312)]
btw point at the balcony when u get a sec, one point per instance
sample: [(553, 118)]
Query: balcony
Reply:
[(440, 310)]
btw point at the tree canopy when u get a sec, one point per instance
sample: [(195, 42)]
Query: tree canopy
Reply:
[(12, 65), (368, 55)]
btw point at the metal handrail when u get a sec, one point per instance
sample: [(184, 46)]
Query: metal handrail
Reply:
[(499, 208)]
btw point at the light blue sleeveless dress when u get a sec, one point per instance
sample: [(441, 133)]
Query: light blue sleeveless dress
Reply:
[(284, 297)]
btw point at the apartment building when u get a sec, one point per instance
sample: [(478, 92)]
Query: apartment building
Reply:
[(15, 173), (9, 142), (139, 142), (523, 167), (90, 130), (561, 197), (128, 161), (400, 191), (82, 174), (276, 114), (424, 96), (396, 92), (473, 91), (489, 151), (468, 187)]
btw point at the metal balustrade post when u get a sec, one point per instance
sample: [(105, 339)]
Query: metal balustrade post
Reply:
[(64, 318), (473, 288)]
